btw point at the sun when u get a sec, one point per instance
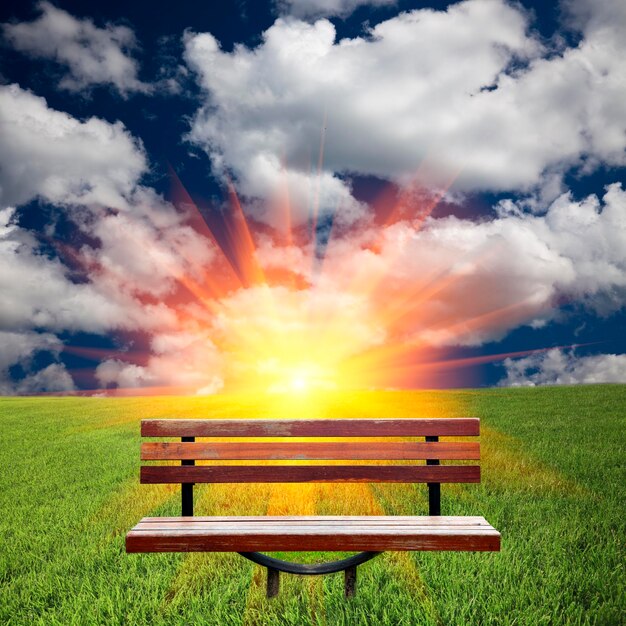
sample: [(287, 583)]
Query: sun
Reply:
[(297, 378), (299, 383)]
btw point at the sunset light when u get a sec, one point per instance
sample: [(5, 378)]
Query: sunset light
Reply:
[(279, 310), (284, 316)]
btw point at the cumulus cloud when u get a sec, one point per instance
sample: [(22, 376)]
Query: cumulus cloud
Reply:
[(140, 249), (135, 255), (184, 359), (18, 349), (326, 8), (145, 254), (458, 282), (133, 275), (49, 154), (467, 93), (593, 15), (18, 346), (37, 291), (92, 55), (560, 367)]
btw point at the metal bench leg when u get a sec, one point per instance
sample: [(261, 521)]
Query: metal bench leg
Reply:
[(273, 582), (350, 581)]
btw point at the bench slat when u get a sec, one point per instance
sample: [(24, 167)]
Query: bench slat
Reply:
[(381, 533), (378, 450), (421, 520), (405, 427), (152, 474), (241, 526)]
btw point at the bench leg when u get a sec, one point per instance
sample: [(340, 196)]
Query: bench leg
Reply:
[(350, 581), (273, 582)]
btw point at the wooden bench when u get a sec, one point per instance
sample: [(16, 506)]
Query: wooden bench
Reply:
[(251, 535)]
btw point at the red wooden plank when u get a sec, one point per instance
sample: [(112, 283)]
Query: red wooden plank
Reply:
[(406, 427), (242, 527), (153, 474), (419, 520), (297, 538), (377, 450)]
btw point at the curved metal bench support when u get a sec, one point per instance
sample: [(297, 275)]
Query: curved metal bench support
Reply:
[(275, 566), (309, 570)]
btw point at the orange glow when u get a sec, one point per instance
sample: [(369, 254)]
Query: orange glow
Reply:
[(282, 321)]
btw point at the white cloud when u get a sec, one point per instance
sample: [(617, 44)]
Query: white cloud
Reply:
[(462, 282), (18, 349), (135, 255), (133, 280), (51, 379), (594, 15), (126, 278), (467, 91), (558, 367), (186, 359), (130, 273), (92, 55), (322, 8), (321, 193), (49, 154), (37, 291)]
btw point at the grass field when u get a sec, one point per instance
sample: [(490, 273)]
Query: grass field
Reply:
[(554, 484)]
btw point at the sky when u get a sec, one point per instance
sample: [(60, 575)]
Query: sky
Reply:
[(311, 195)]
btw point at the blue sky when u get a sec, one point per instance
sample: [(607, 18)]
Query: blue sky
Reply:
[(505, 119)]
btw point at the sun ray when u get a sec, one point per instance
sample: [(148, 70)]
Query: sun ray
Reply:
[(368, 280), (318, 179), (241, 241)]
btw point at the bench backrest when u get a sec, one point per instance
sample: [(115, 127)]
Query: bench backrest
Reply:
[(377, 447)]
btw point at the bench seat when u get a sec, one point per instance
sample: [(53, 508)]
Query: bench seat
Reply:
[(302, 533)]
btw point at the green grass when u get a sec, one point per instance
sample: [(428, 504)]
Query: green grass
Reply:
[(553, 483)]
